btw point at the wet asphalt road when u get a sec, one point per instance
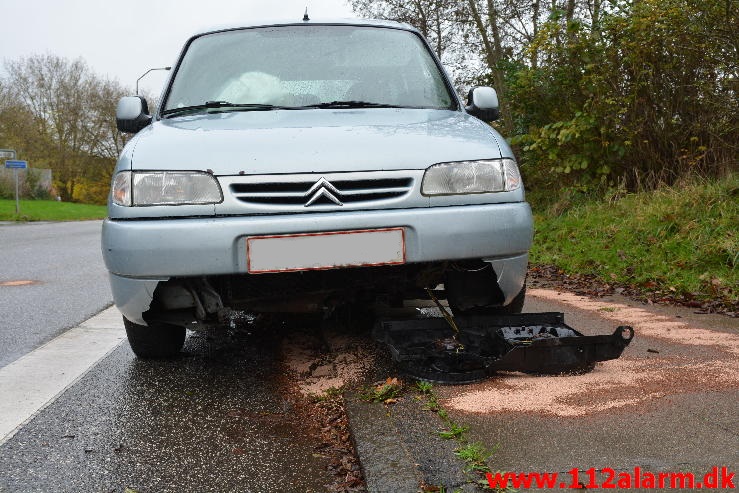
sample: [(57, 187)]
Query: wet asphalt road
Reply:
[(65, 257), (212, 420)]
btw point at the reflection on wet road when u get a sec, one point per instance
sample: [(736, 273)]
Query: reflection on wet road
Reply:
[(216, 419)]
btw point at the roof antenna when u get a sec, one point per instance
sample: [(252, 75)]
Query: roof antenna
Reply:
[(305, 16)]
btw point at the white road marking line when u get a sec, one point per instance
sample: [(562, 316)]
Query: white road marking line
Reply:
[(35, 380)]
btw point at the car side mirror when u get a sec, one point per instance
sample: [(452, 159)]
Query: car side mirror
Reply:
[(482, 102), (132, 114)]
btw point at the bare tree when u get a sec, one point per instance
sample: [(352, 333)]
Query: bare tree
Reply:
[(434, 18), (103, 134), (71, 111), (478, 39)]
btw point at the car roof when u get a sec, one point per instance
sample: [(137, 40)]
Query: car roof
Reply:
[(300, 22)]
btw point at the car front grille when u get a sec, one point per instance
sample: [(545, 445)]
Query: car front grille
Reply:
[(317, 191)]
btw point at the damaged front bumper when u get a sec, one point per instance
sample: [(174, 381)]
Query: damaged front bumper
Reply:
[(141, 253)]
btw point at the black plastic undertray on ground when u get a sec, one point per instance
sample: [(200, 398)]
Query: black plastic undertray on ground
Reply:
[(541, 343)]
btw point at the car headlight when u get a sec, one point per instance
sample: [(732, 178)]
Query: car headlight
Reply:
[(132, 188), (491, 175)]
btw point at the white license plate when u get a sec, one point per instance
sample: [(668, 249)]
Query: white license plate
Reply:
[(325, 250)]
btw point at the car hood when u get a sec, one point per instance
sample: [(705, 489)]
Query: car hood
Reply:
[(303, 141)]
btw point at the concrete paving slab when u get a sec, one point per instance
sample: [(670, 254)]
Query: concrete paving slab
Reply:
[(387, 464), (400, 449)]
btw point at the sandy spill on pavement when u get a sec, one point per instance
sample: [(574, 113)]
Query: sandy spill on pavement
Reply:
[(617, 383), (645, 323), (333, 361)]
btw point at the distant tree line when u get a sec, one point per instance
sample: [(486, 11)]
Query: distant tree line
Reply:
[(60, 115), (596, 93)]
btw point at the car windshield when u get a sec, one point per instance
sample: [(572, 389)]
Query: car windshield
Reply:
[(299, 66)]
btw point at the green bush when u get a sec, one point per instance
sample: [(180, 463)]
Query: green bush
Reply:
[(30, 186), (644, 98), (680, 239), (7, 189), (91, 192)]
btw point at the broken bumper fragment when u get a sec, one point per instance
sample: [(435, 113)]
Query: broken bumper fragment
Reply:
[(540, 343)]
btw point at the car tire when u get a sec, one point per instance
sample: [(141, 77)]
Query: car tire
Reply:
[(358, 317), (155, 341), (476, 292), (515, 306)]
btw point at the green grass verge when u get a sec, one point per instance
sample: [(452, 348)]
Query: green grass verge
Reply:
[(684, 240), (49, 210)]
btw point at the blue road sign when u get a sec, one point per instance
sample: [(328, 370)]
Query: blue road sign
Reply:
[(10, 163)]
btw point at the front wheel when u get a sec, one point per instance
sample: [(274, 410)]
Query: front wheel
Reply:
[(476, 292), (155, 341), (515, 306)]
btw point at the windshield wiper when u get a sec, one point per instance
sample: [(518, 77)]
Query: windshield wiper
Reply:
[(267, 107), (351, 104), (224, 104)]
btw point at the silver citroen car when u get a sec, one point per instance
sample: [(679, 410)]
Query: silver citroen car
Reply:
[(310, 166)]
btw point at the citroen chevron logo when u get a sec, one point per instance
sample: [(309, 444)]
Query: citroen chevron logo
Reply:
[(322, 188)]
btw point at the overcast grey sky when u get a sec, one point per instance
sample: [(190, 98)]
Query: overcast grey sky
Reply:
[(122, 39)]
